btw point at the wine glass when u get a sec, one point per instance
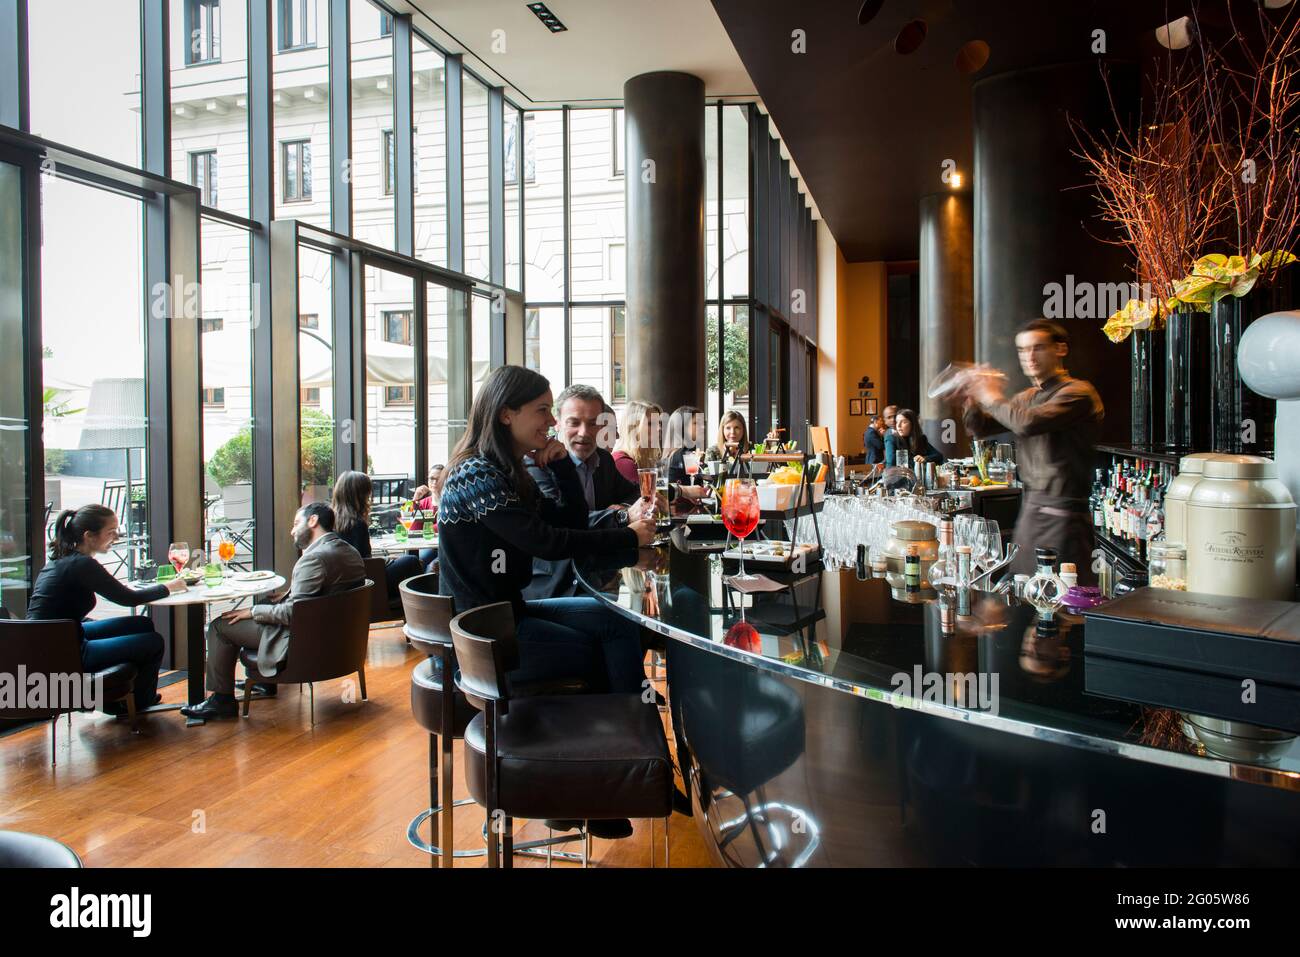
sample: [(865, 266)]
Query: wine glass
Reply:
[(225, 551), (691, 461), (178, 553), (740, 515)]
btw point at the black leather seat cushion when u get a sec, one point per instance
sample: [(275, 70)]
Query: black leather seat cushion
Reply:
[(18, 849), (580, 756), (426, 699), (119, 681)]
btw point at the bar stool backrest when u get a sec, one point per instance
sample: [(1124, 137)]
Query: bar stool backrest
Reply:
[(428, 614), (486, 651)]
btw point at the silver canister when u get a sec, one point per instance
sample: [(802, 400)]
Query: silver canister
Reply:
[(1240, 530)]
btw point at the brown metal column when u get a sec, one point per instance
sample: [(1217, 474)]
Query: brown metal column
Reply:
[(664, 113), (947, 327), (1036, 222)]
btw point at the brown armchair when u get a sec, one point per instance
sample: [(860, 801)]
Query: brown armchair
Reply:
[(328, 638), (54, 648)]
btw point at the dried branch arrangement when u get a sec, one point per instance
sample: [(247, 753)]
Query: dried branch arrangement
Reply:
[(1214, 160)]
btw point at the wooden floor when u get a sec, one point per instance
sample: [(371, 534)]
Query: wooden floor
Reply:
[(266, 791)]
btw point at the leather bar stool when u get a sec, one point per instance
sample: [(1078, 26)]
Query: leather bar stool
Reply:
[(19, 849), (428, 619), (443, 716), (585, 757)]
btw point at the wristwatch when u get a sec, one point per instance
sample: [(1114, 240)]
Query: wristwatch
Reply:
[(621, 518)]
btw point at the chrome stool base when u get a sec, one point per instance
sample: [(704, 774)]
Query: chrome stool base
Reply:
[(413, 833), (542, 847)]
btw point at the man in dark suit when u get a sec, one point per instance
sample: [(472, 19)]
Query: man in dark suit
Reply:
[(587, 429), (873, 440), (328, 564)]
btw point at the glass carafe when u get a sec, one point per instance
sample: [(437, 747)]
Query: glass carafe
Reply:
[(1045, 590)]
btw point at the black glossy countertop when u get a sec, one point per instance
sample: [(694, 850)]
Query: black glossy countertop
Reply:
[(1002, 666)]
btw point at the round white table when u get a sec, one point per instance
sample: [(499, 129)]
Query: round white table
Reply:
[(390, 546), (196, 599)]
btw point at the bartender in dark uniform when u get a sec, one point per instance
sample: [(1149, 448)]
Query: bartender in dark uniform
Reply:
[(1055, 423)]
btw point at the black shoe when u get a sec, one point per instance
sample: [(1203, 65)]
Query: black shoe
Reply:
[(214, 707), (266, 691), (614, 829)]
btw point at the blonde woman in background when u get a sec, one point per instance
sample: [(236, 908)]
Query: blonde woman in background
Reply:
[(638, 445), (733, 435)]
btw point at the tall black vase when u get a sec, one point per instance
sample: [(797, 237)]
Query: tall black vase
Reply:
[(1241, 420), (1186, 381), (1147, 360)]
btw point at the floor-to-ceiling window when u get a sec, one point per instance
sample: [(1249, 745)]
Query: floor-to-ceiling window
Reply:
[(390, 374), (373, 173), (93, 332), (429, 118), (477, 189), (16, 418), (301, 91), (226, 330), (316, 373)]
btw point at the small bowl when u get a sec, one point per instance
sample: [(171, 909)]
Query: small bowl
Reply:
[(1082, 597)]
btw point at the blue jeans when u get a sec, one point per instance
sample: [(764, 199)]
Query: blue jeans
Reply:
[(579, 638), (127, 640)]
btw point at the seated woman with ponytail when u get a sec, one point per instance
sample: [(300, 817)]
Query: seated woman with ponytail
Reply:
[(351, 504), (492, 523), (68, 584)]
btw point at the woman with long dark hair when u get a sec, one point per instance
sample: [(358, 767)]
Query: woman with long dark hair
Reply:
[(492, 523), (351, 504), (681, 435), (68, 584), (906, 435)]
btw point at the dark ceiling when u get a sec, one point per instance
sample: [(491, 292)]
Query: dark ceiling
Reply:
[(868, 127)]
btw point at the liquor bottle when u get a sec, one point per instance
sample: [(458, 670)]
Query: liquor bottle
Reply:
[(1155, 516), (1096, 499)]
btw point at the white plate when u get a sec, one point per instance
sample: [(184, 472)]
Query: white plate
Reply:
[(222, 592), (258, 576)]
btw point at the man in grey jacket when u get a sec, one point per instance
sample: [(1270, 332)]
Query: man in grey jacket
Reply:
[(328, 564)]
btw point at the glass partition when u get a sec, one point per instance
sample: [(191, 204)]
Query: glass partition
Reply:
[(301, 82), (477, 190)]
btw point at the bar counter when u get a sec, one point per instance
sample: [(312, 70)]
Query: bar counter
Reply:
[(846, 723)]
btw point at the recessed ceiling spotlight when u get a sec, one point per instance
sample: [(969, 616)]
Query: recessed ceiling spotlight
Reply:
[(549, 20), (868, 11), (911, 37), (972, 56), (1276, 4), (1176, 35)]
